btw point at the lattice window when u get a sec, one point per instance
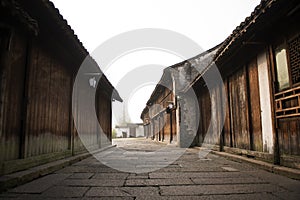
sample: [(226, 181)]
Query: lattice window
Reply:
[(294, 53), (288, 103)]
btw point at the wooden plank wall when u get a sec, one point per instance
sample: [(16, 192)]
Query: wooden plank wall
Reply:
[(228, 136), (36, 89), (103, 105), (243, 121), (162, 130), (244, 109), (167, 127), (12, 72), (254, 107), (239, 109), (242, 126), (205, 113), (87, 127), (48, 97), (162, 126), (289, 136), (174, 130)]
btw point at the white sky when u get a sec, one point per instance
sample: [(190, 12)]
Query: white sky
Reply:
[(207, 22)]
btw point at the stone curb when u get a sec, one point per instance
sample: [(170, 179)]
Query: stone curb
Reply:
[(281, 170), (19, 178)]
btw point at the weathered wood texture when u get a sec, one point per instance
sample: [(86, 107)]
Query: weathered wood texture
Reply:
[(239, 109), (254, 107), (174, 127), (160, 120), (242, 123), (85, 124), (287, 102), (228, 137), (167, 119), (289, 136), (11, 92), (103, 105), (245, 120), (205, 113), (36, 85), (48, 98), (210, 116)]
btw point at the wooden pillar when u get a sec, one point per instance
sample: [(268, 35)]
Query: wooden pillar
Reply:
[(163, 128), (153, 129), (171, 127), (159, 129), (22, 150), (221, 117)]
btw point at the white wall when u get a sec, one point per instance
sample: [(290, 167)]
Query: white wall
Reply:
[(120, 130), (265, 102), (140, 131)]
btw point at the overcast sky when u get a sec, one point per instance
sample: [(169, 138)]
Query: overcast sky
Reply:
[(207, 22)]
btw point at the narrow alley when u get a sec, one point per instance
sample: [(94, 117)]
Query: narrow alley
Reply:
[(123, 101), (192, 176)]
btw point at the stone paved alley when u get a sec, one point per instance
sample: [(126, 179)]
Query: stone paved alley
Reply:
[(193, 176)]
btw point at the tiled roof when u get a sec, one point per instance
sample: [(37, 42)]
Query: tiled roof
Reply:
[(69, 32), (64, 25), (197, 64), (244, 26), (22, 16)]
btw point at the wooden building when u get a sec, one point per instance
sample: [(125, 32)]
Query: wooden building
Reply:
[(260, 66), (159, 117), (168, 107), (39, 58)]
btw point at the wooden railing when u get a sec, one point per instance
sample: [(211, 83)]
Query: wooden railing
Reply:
[(287, 103)]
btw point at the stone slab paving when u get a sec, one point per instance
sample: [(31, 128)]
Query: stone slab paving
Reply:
[(193, 176)]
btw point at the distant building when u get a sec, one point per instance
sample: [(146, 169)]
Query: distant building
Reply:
[(130, 130)]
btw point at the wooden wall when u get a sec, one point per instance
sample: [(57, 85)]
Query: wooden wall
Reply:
[(160, 124), (12, 61), (228, 134), (242, 125), (36, 82), (104, 108), (242, 90), (289, 136), (205, 113), (244, 109), (210, 113), (48, 97), (255, 127), (239, 109)]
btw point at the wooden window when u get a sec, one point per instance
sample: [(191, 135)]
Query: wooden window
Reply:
[(283, 80), (287, 98), (287, 60), (294, 57)]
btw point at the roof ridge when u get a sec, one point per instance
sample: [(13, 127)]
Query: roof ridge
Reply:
[(240, 29)]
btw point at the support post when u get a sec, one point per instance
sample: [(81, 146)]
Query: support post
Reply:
[(171, 127)]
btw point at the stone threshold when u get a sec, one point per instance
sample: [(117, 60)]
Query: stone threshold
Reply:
[(281, 170), (21, 177)]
